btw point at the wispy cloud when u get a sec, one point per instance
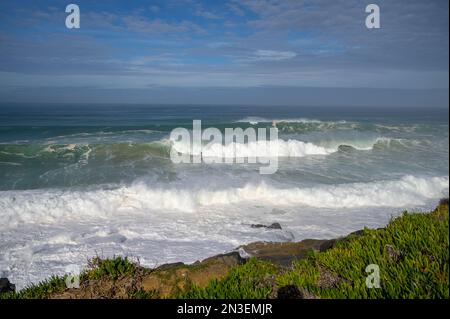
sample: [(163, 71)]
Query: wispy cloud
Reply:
[(245, 43), (235, 9), (272, 55), (207, 15), (161, 27)]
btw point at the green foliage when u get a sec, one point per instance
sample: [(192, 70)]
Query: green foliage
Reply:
[(40, 291), (97, 268), (252, 280), (142, 294), (113, 268), (412, 253)]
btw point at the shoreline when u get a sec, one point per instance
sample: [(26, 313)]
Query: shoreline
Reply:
[(274, 266)]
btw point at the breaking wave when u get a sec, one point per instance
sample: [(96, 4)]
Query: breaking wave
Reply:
[(83, 153), (301, 125), (281, 148), (49, 205)]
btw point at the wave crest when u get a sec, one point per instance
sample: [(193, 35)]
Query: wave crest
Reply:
[(280, 147), (48, 205)]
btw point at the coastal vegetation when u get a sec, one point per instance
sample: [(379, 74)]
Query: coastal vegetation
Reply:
[(411, 253)]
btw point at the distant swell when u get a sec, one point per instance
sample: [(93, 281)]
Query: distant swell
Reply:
[(256, 119), (299, 125), (83, 153), (49, 205)]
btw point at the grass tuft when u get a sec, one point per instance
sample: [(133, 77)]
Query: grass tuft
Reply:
[(40, 291), (253, 280), (112, 268)]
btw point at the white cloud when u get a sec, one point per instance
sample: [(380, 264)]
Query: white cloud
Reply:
[(207, 15), (272, 55)]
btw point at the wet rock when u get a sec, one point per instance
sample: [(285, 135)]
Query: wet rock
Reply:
[(274, 226), (230, 259), (6, 286), (258, 226), (271, 226)]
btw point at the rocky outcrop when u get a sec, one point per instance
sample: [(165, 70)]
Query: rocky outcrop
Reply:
[(169, 279), (294, 292), (163, 281), (284, 253), (271, 226), (6, 286)]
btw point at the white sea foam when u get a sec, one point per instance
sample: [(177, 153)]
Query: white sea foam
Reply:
[(280, 147), (46, 230), (255, 120), (47, 206), (290, 148)]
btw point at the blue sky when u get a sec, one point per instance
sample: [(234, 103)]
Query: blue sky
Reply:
[(246, 51)]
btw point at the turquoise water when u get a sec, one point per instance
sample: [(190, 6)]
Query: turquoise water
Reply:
[(79, 179), (87, 145)]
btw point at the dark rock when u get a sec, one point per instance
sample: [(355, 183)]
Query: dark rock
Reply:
[(331, 243), (274, 226), (289, 292), (258, 226), (293, 292), (230, 259), (6, 286), (271, 226), (358, 232), (443, 202), (327, 244)]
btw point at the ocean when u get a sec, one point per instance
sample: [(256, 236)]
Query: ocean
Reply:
[(78, 181)]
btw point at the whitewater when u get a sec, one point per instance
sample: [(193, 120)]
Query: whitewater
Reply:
[(81, 181)]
